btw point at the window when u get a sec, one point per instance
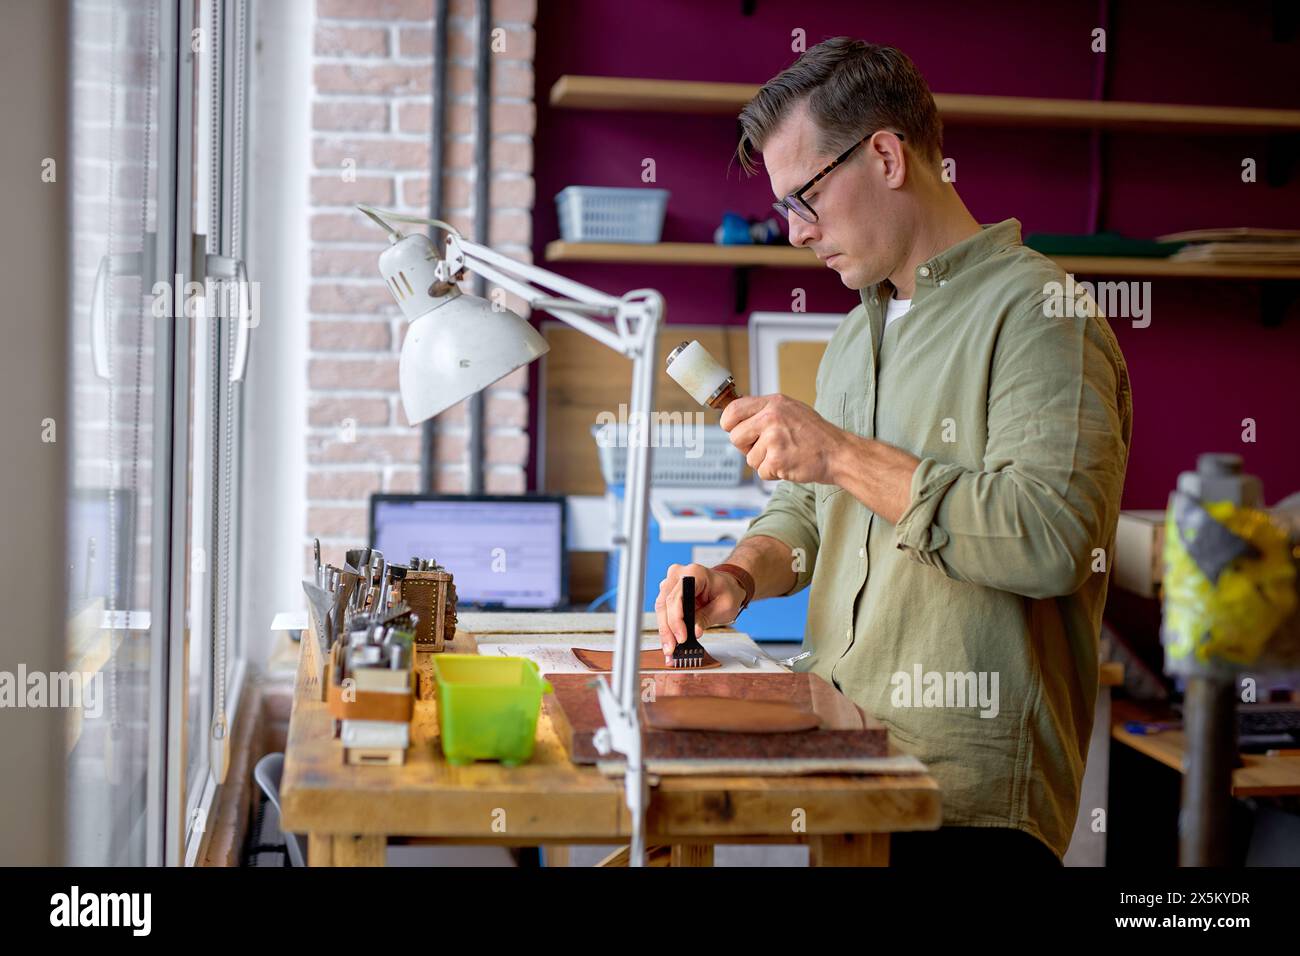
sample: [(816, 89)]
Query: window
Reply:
[(157, 146)]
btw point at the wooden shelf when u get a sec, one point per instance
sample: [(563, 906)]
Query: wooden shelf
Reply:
[(688, 96), (680, 254), (709, 254), (1156, 268), (1258, 775)]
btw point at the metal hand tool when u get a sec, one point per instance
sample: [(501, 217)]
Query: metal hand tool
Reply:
[(690, 653)]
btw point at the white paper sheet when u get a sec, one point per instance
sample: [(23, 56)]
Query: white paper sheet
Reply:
[(542, 622), (554, 652)]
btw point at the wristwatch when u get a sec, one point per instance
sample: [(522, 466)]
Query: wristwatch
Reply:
[(745, 579)]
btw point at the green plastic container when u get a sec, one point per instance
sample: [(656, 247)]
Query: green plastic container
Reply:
[(487, 707)]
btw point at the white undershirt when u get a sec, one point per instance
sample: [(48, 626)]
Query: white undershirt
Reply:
[(895, 309)]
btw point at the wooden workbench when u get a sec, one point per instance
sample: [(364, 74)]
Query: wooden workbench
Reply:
[(350, 813), (1258, 776)]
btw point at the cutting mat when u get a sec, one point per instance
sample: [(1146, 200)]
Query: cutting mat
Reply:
[(846, 732)]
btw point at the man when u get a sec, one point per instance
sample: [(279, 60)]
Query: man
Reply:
[(952, 497)]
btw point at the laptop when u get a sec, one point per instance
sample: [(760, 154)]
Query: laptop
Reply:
[(505, 552)]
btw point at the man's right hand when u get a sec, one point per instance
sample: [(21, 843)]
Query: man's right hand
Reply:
[(718, 597)]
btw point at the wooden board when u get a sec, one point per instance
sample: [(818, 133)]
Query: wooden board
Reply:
[(796, 369), (581, 378), (893, 763), (845, 731)]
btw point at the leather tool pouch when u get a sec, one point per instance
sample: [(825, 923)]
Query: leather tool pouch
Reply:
[(432, 596)]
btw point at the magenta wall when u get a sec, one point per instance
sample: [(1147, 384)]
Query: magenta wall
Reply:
[(1205, 362)]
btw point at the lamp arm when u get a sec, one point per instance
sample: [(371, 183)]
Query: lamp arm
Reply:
[(523, 279), (529, 272)]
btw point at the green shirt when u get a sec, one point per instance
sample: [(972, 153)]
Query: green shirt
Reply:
[(995, 576)]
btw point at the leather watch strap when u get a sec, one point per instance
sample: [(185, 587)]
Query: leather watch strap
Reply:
[(745, 579)]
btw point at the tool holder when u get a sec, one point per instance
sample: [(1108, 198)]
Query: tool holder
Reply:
[(347, 702), (432, 596)]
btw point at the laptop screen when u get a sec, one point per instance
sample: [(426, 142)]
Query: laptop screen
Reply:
[(502, 551)]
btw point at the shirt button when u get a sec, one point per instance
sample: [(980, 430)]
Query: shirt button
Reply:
[(862, 552), (924, 270), (943, 282)]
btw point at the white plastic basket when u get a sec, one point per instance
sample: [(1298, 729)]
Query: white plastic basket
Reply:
[(606, 214), (703, 458)]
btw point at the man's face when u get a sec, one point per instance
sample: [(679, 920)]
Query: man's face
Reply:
[(853, 234)]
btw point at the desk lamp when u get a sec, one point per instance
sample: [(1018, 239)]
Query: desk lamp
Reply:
[(459, 344)]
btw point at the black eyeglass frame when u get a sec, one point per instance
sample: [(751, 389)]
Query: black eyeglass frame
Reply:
[(785, 207)]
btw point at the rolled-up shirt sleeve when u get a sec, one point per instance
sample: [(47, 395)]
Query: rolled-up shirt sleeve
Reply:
[(1059, 420), (791, 517)]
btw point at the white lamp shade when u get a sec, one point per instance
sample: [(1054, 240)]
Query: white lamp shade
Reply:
[(458, 348)]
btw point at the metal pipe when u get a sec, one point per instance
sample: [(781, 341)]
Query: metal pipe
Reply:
[(1210, 725), (482, 213), (437, 134)]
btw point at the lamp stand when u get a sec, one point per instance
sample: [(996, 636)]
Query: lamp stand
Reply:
[(635, 335)]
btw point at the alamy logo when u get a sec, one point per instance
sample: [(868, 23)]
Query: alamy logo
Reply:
[(56, 689), (951, 689), (103, 909), (1112, 300), (656, 430)]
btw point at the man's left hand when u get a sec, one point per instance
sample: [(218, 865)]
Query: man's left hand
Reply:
[(781, 437)]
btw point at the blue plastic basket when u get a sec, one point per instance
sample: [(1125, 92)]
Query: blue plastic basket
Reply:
[(607, 214)]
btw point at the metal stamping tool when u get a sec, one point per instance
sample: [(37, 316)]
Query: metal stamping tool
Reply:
[(396, 574), (343, 597), (366, 656), (753, 660), (319, 602), (690, 653), (378, 565), (320, 581), (352, 586)]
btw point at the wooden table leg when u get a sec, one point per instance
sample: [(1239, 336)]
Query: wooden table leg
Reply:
[(557, 855), (346, 849), (849, 849), (654, 856), (692, 854)]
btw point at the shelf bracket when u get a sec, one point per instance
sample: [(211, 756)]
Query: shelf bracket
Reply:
[(1286, 20), (1275, 298), (740, 288), (1281, 153)]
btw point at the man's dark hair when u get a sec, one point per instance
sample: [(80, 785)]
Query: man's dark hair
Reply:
[(852, 88)]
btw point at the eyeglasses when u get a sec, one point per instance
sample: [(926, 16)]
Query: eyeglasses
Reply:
[(795, 203)]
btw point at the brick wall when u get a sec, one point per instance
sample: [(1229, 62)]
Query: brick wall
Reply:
[(371, 115)]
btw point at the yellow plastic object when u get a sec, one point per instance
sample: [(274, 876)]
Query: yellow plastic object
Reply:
[(1232, 620), (487, 707)]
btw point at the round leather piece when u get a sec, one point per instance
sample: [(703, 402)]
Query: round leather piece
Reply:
[(729, 715)]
